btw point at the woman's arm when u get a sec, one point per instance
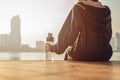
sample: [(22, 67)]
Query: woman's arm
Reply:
[(68, 33)]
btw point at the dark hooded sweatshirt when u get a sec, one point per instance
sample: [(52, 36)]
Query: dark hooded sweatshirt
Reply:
[(88, 30)]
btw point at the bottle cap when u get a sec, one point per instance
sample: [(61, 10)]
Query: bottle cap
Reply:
[(50, 37)]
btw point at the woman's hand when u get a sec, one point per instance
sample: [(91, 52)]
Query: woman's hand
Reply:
[(48, 47)]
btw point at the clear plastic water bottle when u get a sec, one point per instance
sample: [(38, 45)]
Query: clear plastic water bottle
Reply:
[(50, 41)]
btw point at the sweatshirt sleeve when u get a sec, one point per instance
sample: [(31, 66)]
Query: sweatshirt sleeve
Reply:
[(68, 33)]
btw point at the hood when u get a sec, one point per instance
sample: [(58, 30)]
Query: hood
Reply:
[(97, 18)]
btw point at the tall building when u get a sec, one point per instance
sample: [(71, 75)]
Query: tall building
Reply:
[(15, 25), (5, 41), (15, 32), (12, 41), (112, 42), (117, 41)]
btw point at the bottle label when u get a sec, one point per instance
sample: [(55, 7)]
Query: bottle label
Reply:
[(49, 56)]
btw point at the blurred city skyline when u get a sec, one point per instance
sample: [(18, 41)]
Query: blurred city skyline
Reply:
[(39, 17), (12, 42)]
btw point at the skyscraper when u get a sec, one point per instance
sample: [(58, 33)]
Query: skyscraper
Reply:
[(117, 41), (15, 25), (12, 41), (15, 32)]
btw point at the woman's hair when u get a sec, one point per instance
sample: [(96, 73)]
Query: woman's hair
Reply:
[(95, 0), (91, 0)]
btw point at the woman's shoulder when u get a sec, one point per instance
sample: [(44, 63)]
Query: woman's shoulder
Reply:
[(79, 5)]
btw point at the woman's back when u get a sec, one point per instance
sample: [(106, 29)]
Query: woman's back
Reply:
[(95, 33)]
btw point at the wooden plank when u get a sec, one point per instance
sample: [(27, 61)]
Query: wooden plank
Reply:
[(59, 70)]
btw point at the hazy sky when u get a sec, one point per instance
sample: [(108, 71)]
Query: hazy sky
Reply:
[(38, 17)]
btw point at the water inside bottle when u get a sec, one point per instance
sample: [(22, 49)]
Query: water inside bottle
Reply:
[(49, 56)]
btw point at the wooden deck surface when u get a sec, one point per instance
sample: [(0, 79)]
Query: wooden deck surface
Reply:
[(59, 70)]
